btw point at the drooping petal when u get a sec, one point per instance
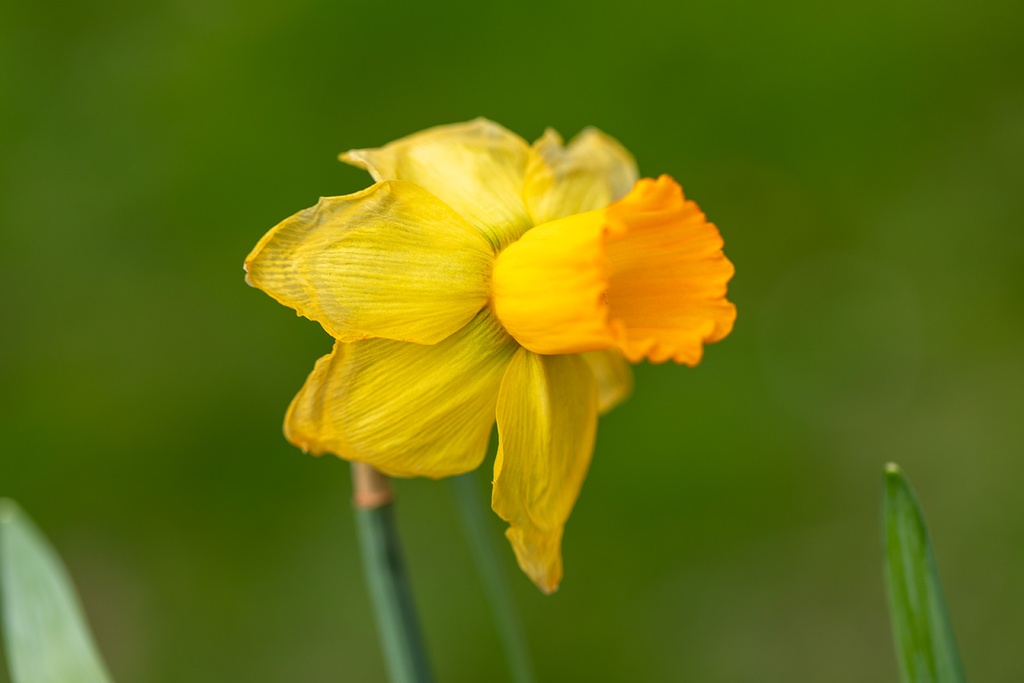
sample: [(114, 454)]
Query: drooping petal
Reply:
[(646, 275), (391, 261), (476, 167), (547, 419), (614, 377), (407, 409), (590, 173)]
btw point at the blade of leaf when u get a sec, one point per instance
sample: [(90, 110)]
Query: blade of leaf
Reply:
[(45, 634), (924, 641)]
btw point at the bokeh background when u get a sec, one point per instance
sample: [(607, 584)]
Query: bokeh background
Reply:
[(864, 161)]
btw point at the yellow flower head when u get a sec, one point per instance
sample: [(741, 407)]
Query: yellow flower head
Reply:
[(482, 278)]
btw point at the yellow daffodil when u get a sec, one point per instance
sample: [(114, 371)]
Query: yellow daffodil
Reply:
[(483, 278)]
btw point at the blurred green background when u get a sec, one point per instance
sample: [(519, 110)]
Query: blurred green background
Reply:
[(865, 163)]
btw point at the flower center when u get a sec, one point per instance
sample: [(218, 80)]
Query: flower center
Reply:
[(645, 275)]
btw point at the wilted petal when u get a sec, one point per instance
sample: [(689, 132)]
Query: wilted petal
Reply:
[(476, 167), (589, 173), (391, 261), (547, 419), (407, 409), (614, 377)]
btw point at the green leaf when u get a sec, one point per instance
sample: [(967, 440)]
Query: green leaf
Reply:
[(46, 637), (924, 639)]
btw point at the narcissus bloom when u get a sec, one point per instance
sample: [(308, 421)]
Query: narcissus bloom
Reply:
[(483, 278)]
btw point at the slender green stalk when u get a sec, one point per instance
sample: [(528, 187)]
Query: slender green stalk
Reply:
[(397, 626), (492, 574)]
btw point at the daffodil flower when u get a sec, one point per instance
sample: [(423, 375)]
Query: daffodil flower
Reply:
[(483, 278)]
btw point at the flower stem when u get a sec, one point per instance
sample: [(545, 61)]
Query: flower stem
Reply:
[(496, 588), (397, 626)]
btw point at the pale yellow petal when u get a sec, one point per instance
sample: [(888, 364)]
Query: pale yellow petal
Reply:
[(547, 419), (477, 168), (590, 173), (614, 377), (391, 261), (407, 409)]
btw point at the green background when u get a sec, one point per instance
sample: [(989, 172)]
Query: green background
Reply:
[(865, 164)]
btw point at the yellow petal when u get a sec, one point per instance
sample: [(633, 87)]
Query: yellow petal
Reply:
[(391, 261), (547, 418), (646, 275), (407, 409), (590, 173), (614, 377), (477, 168)]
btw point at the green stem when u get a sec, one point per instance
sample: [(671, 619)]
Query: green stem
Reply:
[(492, 574), (397, 626)]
